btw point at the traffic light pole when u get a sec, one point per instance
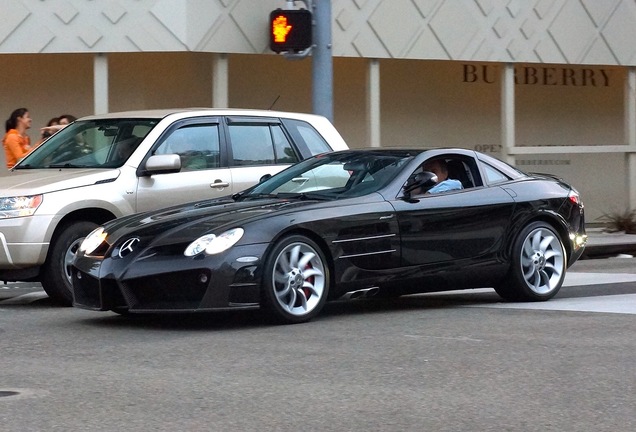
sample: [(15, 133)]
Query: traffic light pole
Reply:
[(322, 60), (320, 48)]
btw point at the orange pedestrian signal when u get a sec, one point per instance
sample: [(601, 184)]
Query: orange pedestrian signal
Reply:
[(290, 30), (280, 29)]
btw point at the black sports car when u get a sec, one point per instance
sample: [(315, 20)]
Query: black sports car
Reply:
[(341, 225)]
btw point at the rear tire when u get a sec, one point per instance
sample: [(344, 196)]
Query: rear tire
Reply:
[(295, 280), (56, 272), (538, 265)]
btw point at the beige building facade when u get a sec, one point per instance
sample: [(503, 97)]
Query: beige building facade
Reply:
[(548, 85)]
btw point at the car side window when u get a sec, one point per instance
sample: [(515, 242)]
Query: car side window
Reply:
[(309, 141), (285, 153), (461, 173), (197, 145), (251, 145), (459, 169), (493, 175)]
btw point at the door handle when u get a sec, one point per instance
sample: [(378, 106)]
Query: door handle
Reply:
[(219, 184)]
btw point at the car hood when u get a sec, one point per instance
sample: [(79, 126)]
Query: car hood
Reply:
[(192, 220), (40, 181)]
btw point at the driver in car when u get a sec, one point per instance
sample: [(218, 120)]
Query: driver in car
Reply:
[(440, 169)]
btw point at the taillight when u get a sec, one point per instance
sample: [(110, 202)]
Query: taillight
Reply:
[(575, 198)]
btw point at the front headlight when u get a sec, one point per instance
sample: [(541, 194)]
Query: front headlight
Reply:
[(94, 240), (213, 244), (11, 207)]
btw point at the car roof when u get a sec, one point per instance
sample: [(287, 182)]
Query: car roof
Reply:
[(186, 112), (426, 153), (413, 151)]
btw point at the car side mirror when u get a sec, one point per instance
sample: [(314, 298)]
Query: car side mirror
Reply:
[(265, 177), (423, 180), (162, 164)]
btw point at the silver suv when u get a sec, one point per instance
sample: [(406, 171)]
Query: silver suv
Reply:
[(103, 167)]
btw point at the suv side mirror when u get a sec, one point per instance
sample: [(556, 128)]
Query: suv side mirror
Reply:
[(162, 164)]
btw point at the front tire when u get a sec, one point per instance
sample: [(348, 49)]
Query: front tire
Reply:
[(538, 265), (295, 280), (56, 273)]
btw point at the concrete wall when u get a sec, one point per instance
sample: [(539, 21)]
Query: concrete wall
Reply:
[(541, 31)]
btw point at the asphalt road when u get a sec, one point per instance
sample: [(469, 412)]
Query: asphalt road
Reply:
[(444, 362)]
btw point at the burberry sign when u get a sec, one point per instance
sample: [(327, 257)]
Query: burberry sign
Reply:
[(540, 75)]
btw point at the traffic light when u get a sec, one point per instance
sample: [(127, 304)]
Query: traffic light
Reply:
[(290, 30)]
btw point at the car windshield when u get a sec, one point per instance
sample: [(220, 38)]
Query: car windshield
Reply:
[(333, 176), (105, 143)]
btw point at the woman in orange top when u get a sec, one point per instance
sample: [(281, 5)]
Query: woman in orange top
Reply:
[(16, 142)]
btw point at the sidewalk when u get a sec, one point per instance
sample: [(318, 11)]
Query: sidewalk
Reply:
[(607, 253), (605, 244)]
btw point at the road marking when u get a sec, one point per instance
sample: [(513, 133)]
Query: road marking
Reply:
[(571, 279), (581, 278), (620, 304)]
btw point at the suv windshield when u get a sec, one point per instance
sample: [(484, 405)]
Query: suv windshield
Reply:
[(103, 143)]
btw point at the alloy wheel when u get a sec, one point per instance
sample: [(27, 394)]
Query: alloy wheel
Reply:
[(298, 278), (542, 261)]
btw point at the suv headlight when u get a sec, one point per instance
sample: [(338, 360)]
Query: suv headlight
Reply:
[(11, 207)]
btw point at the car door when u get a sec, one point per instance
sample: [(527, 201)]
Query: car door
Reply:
[(464, 224), (199, 144), (367, 237)]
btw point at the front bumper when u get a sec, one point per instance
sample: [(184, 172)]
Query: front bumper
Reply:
[(170, 284), (24, 244)]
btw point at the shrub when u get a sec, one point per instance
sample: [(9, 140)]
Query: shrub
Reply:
[(620, 221)]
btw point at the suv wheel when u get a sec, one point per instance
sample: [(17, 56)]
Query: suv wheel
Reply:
[(56, 273)]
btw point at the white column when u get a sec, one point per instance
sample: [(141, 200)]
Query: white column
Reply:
[(630, 134), (100, 83), (220, 81), (373, 102), (508, 112)]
